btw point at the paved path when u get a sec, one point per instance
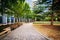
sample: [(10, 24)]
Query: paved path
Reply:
[(25, 32)]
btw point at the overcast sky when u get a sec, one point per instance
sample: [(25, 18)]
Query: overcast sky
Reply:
[(30, 2)]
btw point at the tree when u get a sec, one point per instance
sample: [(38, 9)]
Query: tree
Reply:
[(11, 7), (18, 8), (27, 12), (44, 6), (56, 8)]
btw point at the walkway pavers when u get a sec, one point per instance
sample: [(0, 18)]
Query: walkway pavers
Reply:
[(25, 32)]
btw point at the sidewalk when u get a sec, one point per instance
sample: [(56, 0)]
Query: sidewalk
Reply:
[(25, 32)]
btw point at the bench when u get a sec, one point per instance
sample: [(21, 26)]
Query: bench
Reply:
[(6, 30)]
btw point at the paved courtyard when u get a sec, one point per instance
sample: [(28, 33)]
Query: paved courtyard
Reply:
[(24, 32)]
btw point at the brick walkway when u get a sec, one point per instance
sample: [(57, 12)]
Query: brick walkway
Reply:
[(25, 32)]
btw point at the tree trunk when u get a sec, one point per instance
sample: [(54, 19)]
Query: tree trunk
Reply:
[(17, 19), (10, 20), (2, 10), (4, 19), (52, 18)]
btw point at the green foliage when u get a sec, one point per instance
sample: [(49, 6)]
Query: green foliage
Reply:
[(42, 8), (47, 18), (11, 6), (39, 8), (18, 8)]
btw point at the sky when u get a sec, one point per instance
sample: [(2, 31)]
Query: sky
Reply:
[(30, 2)]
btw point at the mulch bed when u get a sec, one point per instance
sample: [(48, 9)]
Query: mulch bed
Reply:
[(54, 27), (51, 31), (12, 26), (16, 25), (3, 26)]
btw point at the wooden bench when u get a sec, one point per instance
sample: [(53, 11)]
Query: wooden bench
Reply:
[(6, 30)]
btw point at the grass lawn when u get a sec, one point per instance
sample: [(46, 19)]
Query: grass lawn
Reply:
[(47, 29)]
